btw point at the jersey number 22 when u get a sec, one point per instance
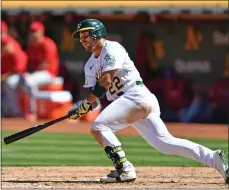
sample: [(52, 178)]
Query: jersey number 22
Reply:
[(115, 85)]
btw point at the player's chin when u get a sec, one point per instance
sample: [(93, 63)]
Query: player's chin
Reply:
[(88, 49)]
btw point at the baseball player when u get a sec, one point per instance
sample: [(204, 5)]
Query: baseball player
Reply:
[(110, 71)]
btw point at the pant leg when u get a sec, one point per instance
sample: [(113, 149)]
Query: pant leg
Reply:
[(113, 118), (135, 104), (38, 78), (32, 83), (9, 88), (154, 131)]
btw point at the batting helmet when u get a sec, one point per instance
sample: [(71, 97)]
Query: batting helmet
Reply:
[(95, 27)]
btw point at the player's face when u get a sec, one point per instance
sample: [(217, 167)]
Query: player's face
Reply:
[(36, 36), (4, 34), (86, 41)]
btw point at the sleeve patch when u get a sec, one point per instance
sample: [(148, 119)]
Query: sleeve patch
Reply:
[(110, 60)]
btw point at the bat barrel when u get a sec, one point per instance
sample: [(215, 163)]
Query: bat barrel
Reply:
[(22, 134), (30, 131)]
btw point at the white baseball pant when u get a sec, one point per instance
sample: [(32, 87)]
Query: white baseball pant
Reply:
[(139, 107)]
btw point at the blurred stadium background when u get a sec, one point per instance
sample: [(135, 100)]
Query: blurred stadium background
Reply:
[(179, 47)]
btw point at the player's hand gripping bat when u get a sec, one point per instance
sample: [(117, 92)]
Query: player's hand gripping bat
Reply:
[(32, 130)]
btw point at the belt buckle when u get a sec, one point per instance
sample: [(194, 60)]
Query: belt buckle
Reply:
[(120, 93)]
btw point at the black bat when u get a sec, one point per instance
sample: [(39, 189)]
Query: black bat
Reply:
[(32, 130)]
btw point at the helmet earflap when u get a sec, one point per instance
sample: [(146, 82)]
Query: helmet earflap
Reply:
[(93, 34), (96, 34)]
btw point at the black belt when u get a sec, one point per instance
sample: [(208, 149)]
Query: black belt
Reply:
[(136, 83)]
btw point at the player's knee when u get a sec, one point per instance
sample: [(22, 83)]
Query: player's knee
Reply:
[(99, 125), (97, 130), (94, 132)]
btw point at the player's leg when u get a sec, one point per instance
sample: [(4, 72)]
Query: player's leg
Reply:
[(39, 78), (9, 88), (114, 117), (154, 131), (31, 84)]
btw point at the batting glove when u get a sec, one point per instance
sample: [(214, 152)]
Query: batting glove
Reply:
[(81, 110)]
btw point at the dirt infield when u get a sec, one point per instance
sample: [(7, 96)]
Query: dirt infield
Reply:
[(87, 177)]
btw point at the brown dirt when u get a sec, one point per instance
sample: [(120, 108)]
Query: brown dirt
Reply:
[(87, 177)]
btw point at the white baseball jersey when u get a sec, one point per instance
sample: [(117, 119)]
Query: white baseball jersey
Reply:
[(112, 56)]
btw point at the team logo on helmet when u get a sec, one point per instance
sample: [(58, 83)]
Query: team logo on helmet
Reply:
[(79, 25)]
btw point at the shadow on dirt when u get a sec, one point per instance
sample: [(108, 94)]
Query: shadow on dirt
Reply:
[(81, 182), (45, 181)]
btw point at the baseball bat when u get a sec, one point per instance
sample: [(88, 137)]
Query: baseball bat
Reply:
[(32, 130)]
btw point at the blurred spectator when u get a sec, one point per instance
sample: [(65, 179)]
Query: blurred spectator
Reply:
[(6, 36), (176, 94), (70, 84), (220, 98), (43, 64), (146, 61), (13, 29), (148, 64), (14, 62), (200, 110)]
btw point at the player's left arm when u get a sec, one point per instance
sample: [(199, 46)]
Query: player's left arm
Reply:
[(104, 83), (96, 92), (112, 62)]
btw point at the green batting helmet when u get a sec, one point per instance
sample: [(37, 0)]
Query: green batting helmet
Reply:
[(95, 27)]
